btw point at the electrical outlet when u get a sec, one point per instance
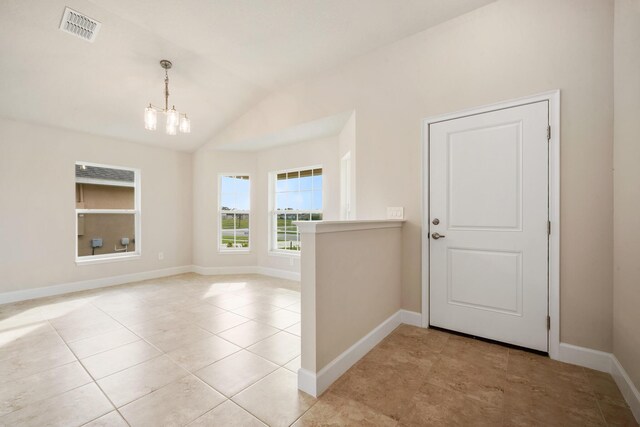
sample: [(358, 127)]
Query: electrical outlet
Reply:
[(395, 213), (160, 256)]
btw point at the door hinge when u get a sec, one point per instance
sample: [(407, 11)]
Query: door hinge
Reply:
[(548, 323), (549, 228), (548, 133)]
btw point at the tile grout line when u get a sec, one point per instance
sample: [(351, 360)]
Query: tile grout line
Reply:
[(193, 373), (93, 382), (89, 302)]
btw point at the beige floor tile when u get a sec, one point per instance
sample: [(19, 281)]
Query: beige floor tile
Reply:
[(130, 316), (176, 404), (75, 407), (31, 362), (176, 338), (13, 317), (236, 372), (294, 365), (84, 314), (199, 354), (295, 307), (112, 419), (200, 308), (282, 300), (295, 329), (332, 410), (38, 338), (139, 380), (248, 333), (43, 385), (230, 302), (227, 414), (280, 319), (111, 361), (433, 406), (94, 345), (166, 323), (256, 309), (275, 400), (81, 330), (279, 348), (220, 322)]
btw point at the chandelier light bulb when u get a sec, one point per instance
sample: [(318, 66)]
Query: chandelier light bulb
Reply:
[(185, 124), (173, 117), (171, 129), (150, 118)]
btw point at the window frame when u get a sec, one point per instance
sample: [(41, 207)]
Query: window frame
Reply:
[(273, 213), (136, 212), (232, 251)]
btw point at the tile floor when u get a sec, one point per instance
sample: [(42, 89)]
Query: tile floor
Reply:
[(223, 351)]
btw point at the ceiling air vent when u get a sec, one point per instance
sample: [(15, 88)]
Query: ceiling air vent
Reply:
[(79, 25)]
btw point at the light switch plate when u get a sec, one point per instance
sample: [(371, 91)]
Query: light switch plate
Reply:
[(395, 213)]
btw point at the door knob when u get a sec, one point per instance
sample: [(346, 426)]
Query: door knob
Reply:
[(436, 221), (437, 236)]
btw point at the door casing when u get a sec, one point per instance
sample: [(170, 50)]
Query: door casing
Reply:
[(553, 97)]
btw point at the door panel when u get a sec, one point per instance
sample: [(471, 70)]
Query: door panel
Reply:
[(488, 179)]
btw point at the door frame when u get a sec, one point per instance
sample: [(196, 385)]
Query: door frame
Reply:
[(553, 97)]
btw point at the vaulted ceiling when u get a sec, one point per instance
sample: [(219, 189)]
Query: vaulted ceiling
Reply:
[(227, 55)]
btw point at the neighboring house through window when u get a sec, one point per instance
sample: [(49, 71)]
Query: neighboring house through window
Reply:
[(234, 211), (107, 212), (296, 195)]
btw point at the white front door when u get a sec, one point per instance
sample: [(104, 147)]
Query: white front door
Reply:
[(488, 200)]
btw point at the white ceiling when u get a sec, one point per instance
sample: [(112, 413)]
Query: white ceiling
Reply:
[(227, 55)]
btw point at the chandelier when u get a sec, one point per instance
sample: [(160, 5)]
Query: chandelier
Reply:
[(175, 119)]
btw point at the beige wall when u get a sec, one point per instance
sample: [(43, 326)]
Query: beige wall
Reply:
[(626, 295), (508, 49), (37, 180), (351, 283), (208, 164)]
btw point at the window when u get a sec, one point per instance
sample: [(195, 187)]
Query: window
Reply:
[(297, 196), (107, 212), (234, 207)]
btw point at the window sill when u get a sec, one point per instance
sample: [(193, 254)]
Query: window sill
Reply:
[(287, 254), (236, 252), (107, 260)]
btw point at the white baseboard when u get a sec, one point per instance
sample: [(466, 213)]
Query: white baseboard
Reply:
[(280, 274), (316, 384), (411, 318), (253, 269), (84, 285), (215, 271), (605, 362), (307, 382), (582, 356), (626, 386)]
